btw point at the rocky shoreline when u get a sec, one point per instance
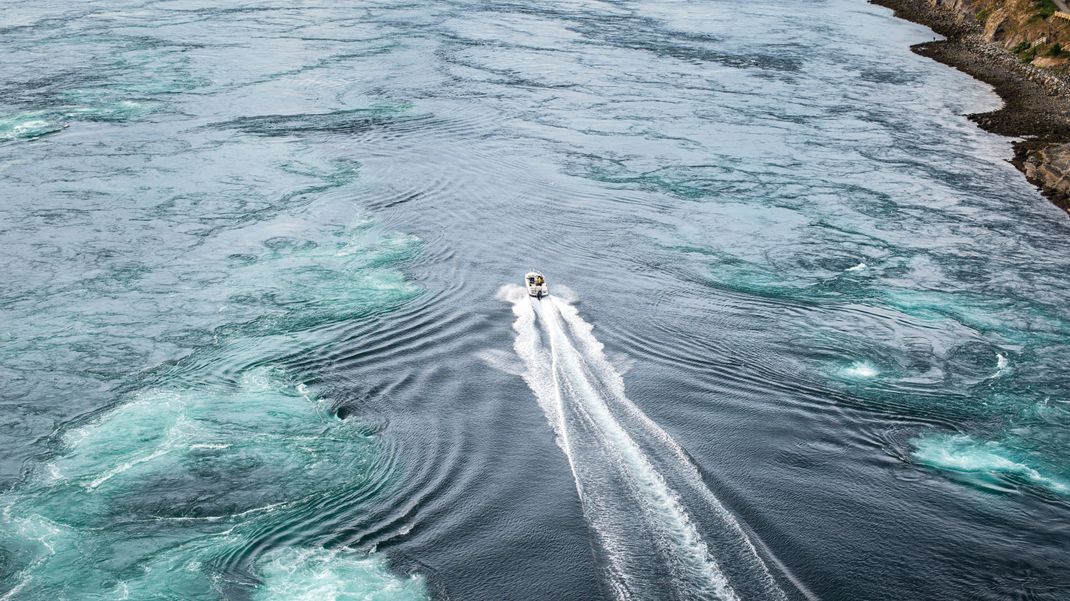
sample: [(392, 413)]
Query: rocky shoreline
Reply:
[(1036, 101)]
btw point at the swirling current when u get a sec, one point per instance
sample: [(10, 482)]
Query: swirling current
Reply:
[(263, 335)]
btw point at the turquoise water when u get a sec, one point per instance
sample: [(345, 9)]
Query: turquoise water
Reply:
[(262, 336), (165, 491), (132, 505)]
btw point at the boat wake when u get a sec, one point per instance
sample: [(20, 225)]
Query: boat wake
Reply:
[(631, 476)]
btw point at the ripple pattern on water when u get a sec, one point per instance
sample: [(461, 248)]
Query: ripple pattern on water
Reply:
[(263, 241)]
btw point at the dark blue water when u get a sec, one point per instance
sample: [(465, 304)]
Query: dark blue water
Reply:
[(262, 334)]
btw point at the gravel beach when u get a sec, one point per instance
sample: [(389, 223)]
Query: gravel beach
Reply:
[(1036, 101)]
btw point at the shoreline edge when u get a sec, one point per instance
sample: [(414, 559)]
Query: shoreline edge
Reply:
[(1036, 102)]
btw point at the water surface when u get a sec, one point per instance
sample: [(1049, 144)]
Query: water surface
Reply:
[(262, 337)]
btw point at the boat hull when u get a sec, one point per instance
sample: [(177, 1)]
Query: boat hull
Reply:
[(536, 284)]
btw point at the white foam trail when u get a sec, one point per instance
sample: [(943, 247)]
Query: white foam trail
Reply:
[(1001, 365), (622, 463), (858, 267), (861, 369)]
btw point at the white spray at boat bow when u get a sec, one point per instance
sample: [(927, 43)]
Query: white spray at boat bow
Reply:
[(628, 471)]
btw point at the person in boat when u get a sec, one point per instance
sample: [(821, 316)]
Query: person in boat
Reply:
[(539, 281)]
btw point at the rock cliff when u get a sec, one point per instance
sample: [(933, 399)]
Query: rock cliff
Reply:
[(1022, 48)]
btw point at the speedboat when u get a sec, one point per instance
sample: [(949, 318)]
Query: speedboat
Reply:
[(536, 284)]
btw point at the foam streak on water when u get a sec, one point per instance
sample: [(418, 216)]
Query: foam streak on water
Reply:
[(248, 262), (146, 471), (622, 491), (987, 463)]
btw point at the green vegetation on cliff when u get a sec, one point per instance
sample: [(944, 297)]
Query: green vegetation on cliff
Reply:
[(1030, 29)]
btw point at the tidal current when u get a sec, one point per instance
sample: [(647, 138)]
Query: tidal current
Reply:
[(263, 336)]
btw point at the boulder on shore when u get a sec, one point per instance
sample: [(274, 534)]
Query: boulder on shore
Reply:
[(1049, 168)]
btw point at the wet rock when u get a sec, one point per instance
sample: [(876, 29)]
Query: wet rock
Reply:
[(1049, 168)]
